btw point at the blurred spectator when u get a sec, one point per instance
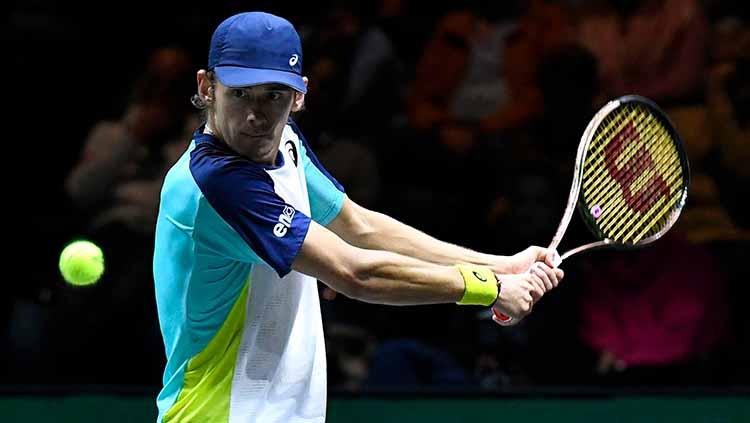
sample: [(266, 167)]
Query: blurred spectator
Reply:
[(349, 349), (654, 319), (728, 105), (116, 184), (355, 73), (457, 81), (355, 86), (462, 73), (653, 48), (540, 156), (728, 116), (118, 177), (544, 27), (477, 73)]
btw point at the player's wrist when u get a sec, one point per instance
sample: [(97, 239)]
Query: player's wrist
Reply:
[(500, 264), (481, 286)]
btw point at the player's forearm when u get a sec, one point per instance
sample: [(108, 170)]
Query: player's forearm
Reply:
[(388, 278), (376, 276), (386, 233)]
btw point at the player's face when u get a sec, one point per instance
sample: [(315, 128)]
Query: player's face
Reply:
[(251, 119)]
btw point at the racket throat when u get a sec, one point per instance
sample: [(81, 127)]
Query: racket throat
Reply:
[(582, 248)]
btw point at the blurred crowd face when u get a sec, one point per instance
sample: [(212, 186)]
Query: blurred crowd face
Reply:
[(157, 109), (250, 119)]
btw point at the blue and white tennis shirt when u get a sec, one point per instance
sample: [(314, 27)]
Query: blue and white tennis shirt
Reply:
[(242, 331)]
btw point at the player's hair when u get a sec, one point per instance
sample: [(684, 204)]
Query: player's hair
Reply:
[(198, 101)]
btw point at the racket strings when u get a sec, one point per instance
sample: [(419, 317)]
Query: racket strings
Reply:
[(596, 170), (628, 151), (614, 123), (638, 192), (613, 187), (624, 213), (617, 125), (604, 133), (651, 199), (594, 181), (671, 173), (625, 216), (644, 223)]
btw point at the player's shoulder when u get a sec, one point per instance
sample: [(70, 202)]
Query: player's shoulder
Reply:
[(218, 171), (212, 159)]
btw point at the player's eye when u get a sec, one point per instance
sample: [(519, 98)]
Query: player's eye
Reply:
[(237, 93), (274, 95)]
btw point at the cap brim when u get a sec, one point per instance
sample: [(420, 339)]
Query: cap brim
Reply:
[(237, 76)]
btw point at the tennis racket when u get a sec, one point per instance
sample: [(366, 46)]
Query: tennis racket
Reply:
[(630, 180)]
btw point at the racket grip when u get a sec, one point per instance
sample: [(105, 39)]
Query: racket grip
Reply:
[(556, 261)]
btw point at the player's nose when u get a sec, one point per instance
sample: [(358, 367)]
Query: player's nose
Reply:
[(255, 118)]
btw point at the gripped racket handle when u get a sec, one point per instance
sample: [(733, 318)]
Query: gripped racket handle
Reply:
[(557, 260)]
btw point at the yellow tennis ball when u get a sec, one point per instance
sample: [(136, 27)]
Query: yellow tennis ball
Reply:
[(81, 263)]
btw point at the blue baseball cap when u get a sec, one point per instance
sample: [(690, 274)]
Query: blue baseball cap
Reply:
[(256, 48)]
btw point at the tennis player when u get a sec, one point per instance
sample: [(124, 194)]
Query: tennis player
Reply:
[(249, 219)]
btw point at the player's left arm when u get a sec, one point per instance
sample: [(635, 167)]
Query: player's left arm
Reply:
[(368, 229), (363, 228)]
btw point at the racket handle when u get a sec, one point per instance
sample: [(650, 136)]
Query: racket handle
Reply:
[(556, 261)]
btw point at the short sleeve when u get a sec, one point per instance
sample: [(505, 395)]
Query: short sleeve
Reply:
[(242, 194)]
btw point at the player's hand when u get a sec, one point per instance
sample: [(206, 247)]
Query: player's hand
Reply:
[(519, 292), (521, 262)]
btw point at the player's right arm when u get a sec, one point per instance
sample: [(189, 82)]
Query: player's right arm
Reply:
[(384, 277), (246, 220)]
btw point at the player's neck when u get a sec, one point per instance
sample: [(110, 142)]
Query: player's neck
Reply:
[(207, 130)]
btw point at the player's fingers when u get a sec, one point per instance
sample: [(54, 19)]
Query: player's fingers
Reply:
[(536, 287), (555, 274), (551, 274), (560, 275), (542, 274), (538, 252)]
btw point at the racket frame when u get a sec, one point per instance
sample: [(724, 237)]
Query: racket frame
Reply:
[(575, 188), (574, 200)]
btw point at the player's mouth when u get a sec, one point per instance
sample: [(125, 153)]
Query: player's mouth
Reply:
[(256, 136)]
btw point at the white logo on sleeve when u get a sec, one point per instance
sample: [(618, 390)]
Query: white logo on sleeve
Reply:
[(293, 60), (285, 222)]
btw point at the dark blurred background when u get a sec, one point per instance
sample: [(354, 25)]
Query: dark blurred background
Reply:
[(459, 118)]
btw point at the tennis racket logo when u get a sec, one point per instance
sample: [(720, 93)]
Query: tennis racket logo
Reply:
[(639, 162)]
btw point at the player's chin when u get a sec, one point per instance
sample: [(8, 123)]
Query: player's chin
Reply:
[(260, 148)]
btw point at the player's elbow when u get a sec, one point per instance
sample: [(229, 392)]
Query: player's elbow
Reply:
[(354, 280), (347, 282)]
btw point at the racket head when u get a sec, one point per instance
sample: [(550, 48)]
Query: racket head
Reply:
[(634, 173)]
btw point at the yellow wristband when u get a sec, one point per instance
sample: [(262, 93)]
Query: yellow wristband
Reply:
[(481, 285)]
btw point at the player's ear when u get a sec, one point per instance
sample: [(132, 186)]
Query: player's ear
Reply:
[(299, 98), (205, 86)]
